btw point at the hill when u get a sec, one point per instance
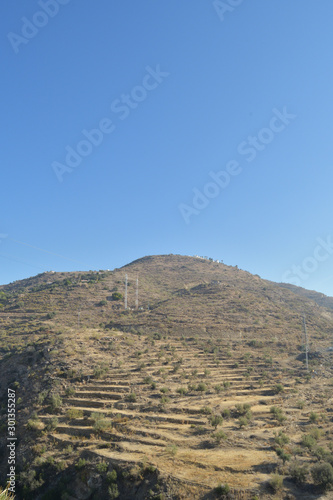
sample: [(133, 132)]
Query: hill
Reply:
[(170, 399)]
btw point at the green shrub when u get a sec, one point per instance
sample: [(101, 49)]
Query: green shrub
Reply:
[(219, 436), (216, 420), (278, 388), (116, 296), (96, 416), (102, 467), (313, 417), (100, 372), (201, 387), (61, 465), (242, 422), (320, 453), (81, 463), (102, 425), (315, 433), (222, 489), (52, 424), (70, 391), (278, 414), (285, 457), (243, 409), (308, 441), (111, 476), (35, 424), (322, 475), (113, 491), (131, 397), (276, 482), (171, 449), (298, 472), (281, 438), (55, 402), (73, 413), (41, 397)]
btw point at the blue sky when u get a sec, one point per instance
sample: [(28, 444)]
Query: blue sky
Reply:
[(178, 90)]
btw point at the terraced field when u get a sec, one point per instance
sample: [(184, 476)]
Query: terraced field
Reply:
[(200, 389), (153, 401)]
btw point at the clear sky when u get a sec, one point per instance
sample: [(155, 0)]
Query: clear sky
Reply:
[(134, 128)]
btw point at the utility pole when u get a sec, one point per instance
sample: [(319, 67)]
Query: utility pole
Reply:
[(125, 291), (306, 344), (137, 294)]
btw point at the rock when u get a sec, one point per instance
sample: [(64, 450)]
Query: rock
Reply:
[(95, 481)]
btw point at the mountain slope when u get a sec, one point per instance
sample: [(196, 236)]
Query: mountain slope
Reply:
[(133, 392)]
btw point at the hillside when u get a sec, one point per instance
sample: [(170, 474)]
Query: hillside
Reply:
[(173, 398)]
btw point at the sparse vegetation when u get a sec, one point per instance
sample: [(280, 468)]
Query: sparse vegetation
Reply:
[(185, 398)]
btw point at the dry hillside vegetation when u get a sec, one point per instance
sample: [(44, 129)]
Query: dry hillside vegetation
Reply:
[(201, 393)]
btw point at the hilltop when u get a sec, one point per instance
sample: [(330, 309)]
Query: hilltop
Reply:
[(133, 393)]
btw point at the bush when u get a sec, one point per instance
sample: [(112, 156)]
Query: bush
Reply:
[(276, 482), (131, 397), (320, 453), (278, 414), (281, 438), (100, 372), (55, 402), (278, 388), (102, 467), (35, 424), (243, 409), (315, 433), (81, 463), (41, 397), (219, 436), (285, 457), (171, 449), (61, 465), (226, 413), (73, 413), (70, 391), (322, 475), (111, 476), (222, 489), (202, 387), (102, 424), (298, 472), (313, 417), (113, 491), (52, 424), (216, 420), (116, 296), (308, 441), (242, 422)]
